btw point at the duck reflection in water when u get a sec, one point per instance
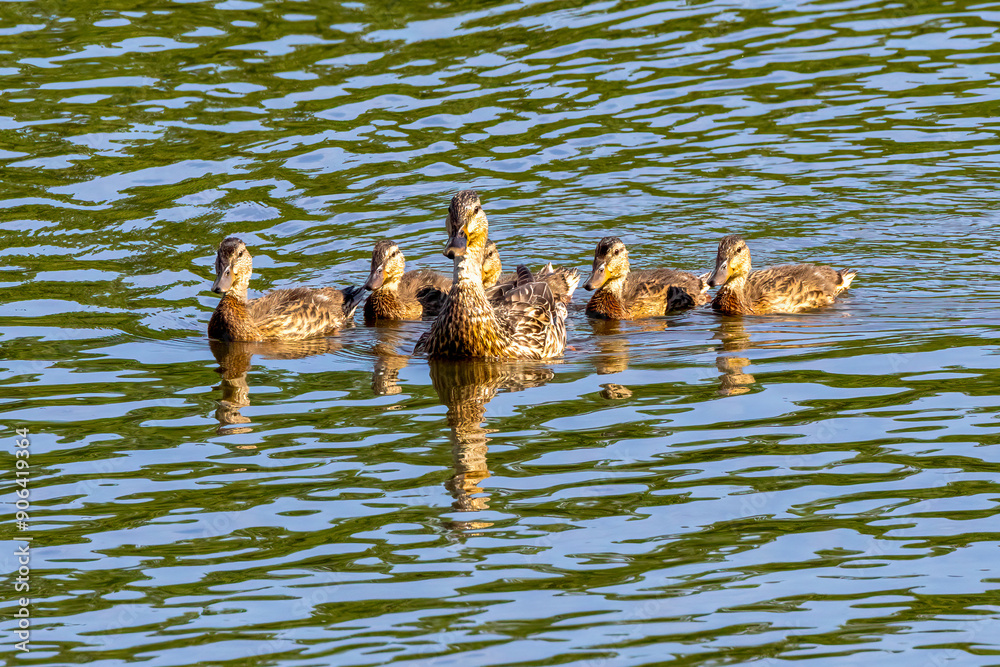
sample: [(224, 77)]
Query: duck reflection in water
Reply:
[(389, 340), (465, 387), (234, 362), (734, 337), (611, 337)]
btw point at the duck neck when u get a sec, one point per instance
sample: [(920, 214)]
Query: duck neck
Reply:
[(608, 300), (735, 289), (238, 290), (468, 273), (390, 285), (615, 286), (236, 294)]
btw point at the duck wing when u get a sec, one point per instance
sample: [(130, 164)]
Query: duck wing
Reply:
[(534, 317), (672, 288), (428, 287), (792, 287), (508, 283), (302, 312), (562, 281)]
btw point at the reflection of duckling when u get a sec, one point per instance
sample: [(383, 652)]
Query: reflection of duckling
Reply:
[(733, 380), (623, 294), (561, 281), (465, 387), (734, 337), (284, 314), (612, 346), (234, 362), (388, 363), (614, 392), (401, 296), (528, 322), (234, 359), (779, 289)]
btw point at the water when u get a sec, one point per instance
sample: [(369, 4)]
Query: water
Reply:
[(694, 489)]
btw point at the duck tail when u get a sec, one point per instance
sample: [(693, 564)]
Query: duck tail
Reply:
[(846, 276), (572, 277), (704, 281), (353, 295), (523, 276)]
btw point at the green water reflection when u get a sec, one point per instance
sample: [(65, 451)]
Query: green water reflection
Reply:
[(689, 489)]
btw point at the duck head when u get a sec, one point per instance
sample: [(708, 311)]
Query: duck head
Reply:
[(732, 260), (388, 265), (491, 265), (467, 225), (233, 267), (610, 262)]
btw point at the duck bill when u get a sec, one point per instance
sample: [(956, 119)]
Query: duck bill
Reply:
[(376, 278), (457, 244), (223, 283), (596, 279), (720, 275)]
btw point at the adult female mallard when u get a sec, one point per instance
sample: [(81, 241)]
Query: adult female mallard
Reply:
[(526, 322), (561, 281), (401, 296), (284, 314), (623, 294), (779, 289)]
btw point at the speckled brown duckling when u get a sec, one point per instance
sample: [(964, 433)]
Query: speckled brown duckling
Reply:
[(623, 294), (284, 314), (561, 281), (789, 288), (528, 322), (399, 295)]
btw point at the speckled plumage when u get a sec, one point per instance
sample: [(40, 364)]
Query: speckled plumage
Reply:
[(285, 314), (399, 295), (562, 281), (526, 322), (789, 288), (623, 294)]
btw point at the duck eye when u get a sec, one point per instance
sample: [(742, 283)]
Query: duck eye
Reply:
[(477, 209)]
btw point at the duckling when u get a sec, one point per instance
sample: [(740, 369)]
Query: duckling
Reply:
[(284, 314), (779, 289), (562, 281), (623, 294), (401, 296), (528, 322)]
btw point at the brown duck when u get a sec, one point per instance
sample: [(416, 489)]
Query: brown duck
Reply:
[(779, 289), (401, 296), (561, 281), (284, 314), (527, 322), (623, 294)]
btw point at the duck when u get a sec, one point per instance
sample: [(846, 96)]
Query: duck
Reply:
[(396, 295), (284, 314), (562, 281), (526, 322), (623, 294), (789, 288)]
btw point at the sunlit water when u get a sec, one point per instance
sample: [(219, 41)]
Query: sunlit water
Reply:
[(693, 488)]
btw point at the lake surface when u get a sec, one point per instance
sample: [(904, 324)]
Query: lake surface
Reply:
[(692, 489)]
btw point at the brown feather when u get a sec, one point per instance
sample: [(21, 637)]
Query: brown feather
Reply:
[(285, 314), (399, 295), (526, 321), (624, 294), (789, 288)]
